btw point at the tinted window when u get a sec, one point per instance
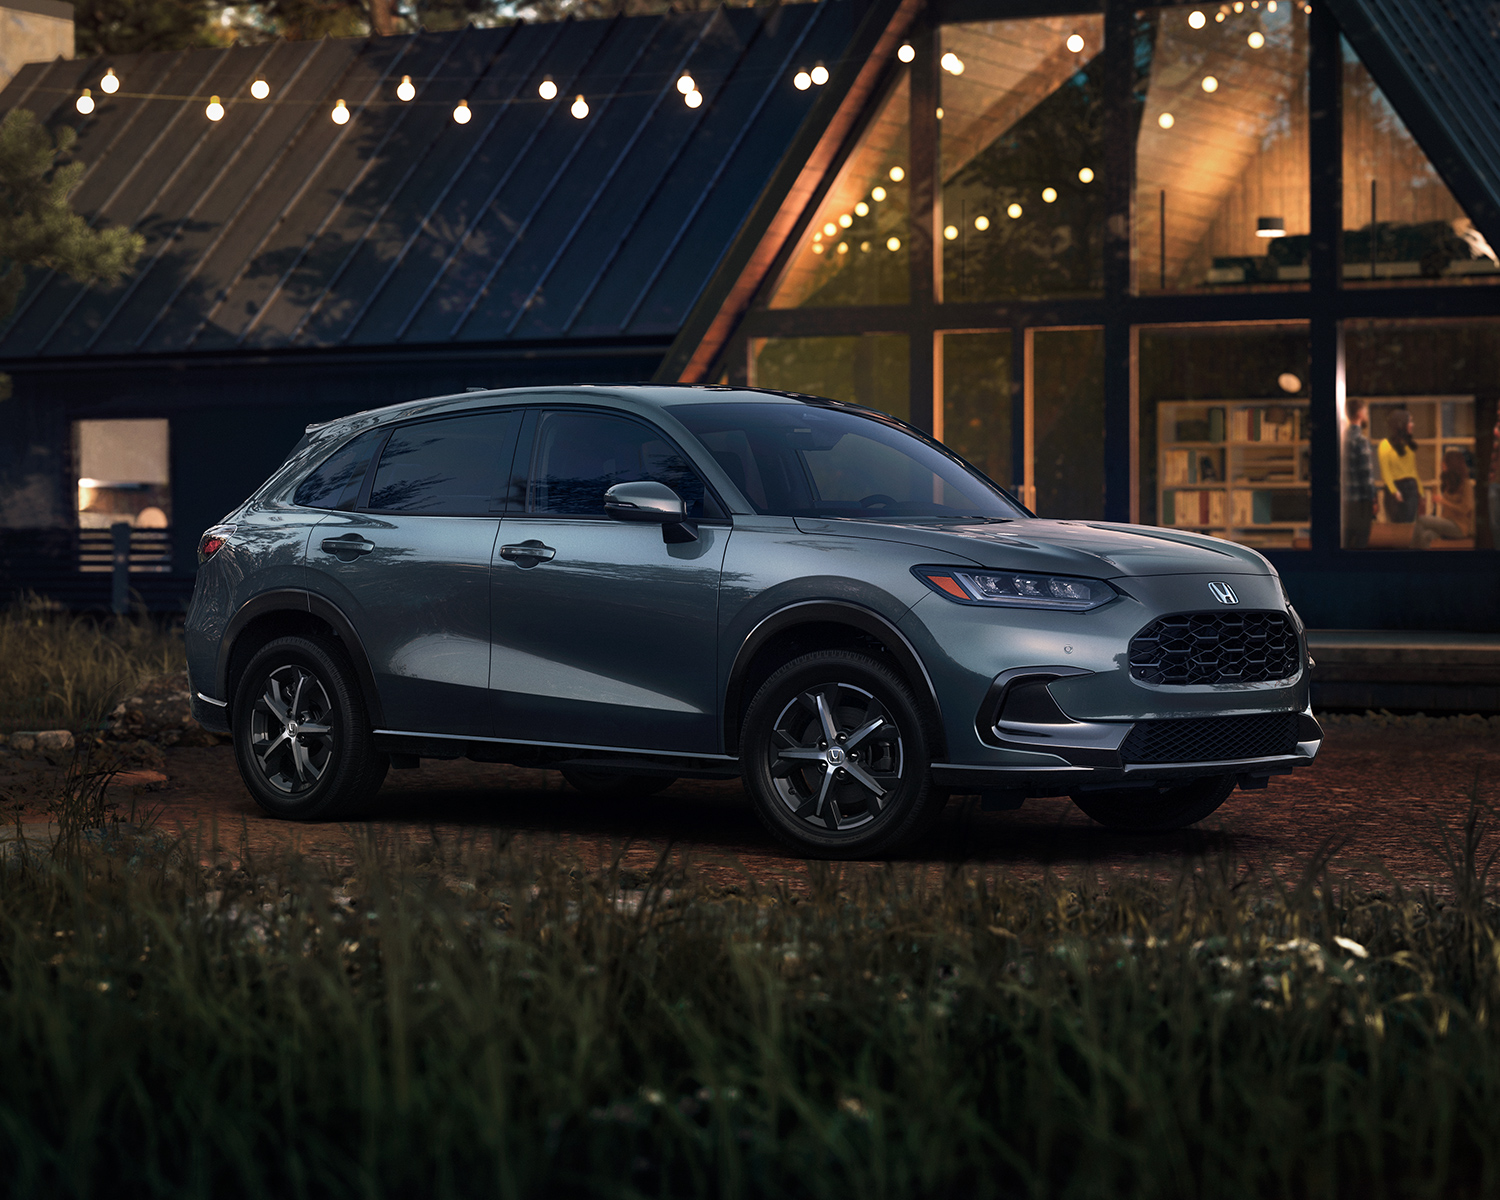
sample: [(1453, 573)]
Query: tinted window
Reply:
[(804, 460), (580, 455), (449, 467), (336, 483)]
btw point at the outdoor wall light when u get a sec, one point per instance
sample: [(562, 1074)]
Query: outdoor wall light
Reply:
[(110, 83), (405, 91), (981, 223), (1166, 120), (84, 103), (877, 194), (547, 90), (580, 108), (461, 113), (1049, 195), (893, 244), (1210, 84), (897, 174), (1075, 43), (685, 84), (950, 232), (907, 52), (693, 99), (1196, 19), (1014, 212), (802, 81), (260, 89), (340, 113), (215, 110), (820, 74), (951, 63), (1256, 39), (1085, 174), (1270, 227)]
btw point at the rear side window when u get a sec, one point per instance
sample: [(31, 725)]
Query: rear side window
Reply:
[(581, 455), (336, 483), (447, 467)]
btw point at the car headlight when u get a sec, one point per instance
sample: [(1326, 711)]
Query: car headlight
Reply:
[(1014, 589)]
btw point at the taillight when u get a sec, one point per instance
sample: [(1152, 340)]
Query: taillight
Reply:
[(212, 541)]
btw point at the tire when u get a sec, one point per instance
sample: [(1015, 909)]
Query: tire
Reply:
[(1158, 809), (329, 766), (592, 781), (878, 796)]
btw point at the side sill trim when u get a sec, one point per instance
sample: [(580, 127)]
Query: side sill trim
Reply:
[(210, 700), (464, 737)]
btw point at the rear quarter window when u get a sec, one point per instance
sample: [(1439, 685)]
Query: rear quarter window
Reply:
[(336, 482)]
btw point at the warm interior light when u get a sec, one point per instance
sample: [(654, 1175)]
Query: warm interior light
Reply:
[(547, 90), (907, 52), (1085, 174), (802, 81), (685, 83), (1256, 39), (406, 91), (693, 99), (1075, 43), (897, 174), (893, 243), (950, 232), (940, 112), (820, 74), (1210, 84), (1166, 120), (215, 110), (951, 63), (1270, 227), (877, 194), (1289, 383), (84, 103), (340, 113), (580, 108), (861, 209), (1196, 19), (110, 83), (461, 113), (1013, 212), (981, 223), (260, 89), (1049, 194)]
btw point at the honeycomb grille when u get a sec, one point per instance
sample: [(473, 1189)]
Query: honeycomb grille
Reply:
[(1188, 648), (1211, 739)]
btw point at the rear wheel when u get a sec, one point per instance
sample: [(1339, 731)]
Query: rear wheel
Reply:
[(301, 737), (834, 751), (1157, 809), (594, 781)]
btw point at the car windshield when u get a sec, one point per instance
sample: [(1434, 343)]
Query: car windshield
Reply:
[(805, 460)]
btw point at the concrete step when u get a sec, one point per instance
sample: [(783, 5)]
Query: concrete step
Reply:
[(1405, 670)]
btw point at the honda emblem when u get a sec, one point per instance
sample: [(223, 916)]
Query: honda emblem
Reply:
[(1223, 593)]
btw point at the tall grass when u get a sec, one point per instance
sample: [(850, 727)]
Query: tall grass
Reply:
[(66, 670), (477, 1022)]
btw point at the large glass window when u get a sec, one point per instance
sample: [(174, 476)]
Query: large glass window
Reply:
[(1401, 223), (872, 369), (1223, 420), (855, 250), (1419, 435), (977, 401), (123, 475), (1221, 197), (1065, 422), (1022, 150)]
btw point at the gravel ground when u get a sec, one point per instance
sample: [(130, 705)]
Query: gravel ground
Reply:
[(1380, 791)]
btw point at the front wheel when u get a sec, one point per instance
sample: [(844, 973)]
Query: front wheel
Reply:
[(834, 750), (1156, 809), (301, 737)]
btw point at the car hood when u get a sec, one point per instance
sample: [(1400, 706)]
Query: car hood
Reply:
[(1091, 548)]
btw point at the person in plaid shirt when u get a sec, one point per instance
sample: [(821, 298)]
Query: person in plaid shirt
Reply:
[(1361, 497)]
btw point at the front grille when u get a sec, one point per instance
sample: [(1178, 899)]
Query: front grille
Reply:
[(1211, 647), (1211, 739)]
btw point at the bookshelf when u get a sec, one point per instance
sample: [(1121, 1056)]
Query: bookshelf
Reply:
[(1236, 469)]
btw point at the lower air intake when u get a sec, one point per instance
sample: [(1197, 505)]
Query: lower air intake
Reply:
[(1211, 739)]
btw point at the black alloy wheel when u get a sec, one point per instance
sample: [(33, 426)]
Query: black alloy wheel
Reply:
[(598, 781), (834, 752), (1157, 809), (301, 737)]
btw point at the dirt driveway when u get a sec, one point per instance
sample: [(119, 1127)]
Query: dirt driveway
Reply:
[(1383, 789)]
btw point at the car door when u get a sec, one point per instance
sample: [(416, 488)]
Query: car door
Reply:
[(410, 567), (603, 632)]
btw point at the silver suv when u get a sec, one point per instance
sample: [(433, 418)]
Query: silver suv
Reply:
[(637, 584)]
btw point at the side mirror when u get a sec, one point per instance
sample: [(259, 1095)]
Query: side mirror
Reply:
[(654, 503)]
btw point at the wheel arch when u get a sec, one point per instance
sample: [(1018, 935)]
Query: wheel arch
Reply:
[(286, 612), (822, 625)]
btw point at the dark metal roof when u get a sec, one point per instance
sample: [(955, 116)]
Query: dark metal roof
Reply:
[(275, 227), (1438, 62)]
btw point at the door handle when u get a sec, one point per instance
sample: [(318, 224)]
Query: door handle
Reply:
[(350, 543), (528, 554)]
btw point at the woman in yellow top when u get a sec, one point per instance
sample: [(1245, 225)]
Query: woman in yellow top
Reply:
[(1398, 468)]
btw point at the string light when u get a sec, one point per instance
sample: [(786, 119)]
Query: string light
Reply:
[(877, 194), (215, 110), (340, 113), (685, 84), (817, 248), (580, 108), (820, 75), (84, 103), (845, 220), (940, 112), (260, 89), (1218, 16), (1210, 84), (830, 229), (1075, 43), (406, 91), (802, 81), (1196, 20), (950, 232), (981, 223), (1085, 174), (893, 244), (843, 247), (461, 114), (110, 83), (897, 174), (693, 99), (1256, 39), (1049, 194), (951, 63), (1166, 120), (862, 209), (1014, 212), (864, 247), (907, 52), (547, 90)]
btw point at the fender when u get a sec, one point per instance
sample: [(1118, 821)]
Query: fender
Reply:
[(807, 612), (300, 601)]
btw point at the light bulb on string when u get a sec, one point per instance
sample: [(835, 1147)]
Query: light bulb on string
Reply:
[(1256, 39), (1166, 120), (950, 232), (877, 194), (340, 113), (981, 223), (1085, 174), (819, 74), (951, 63), (260, 89), (1014, 212), (1210, 84), (580, 108), (406, 91), (830, 229), (462, 114), (893, 244), (110, 83), (846, 220), (547, 90), (802, 81), (215, 110), (1049, 195), (861, 209), (686, 84), (693, 99), (907, 52), (1196, 20), (897, 174), (1075, 43), (84, 103)]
